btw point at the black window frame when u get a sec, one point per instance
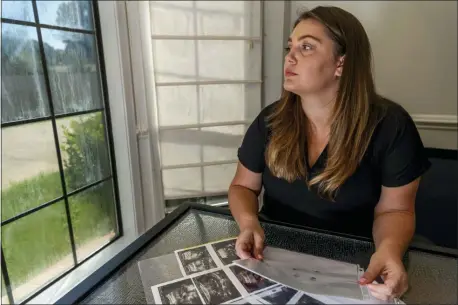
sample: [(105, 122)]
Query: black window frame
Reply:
[(105, 110)]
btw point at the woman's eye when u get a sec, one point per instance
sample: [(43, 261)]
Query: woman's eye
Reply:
[(287, 49), (306, 47)]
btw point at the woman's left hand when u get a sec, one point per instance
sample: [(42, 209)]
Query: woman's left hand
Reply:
[(391, 270)]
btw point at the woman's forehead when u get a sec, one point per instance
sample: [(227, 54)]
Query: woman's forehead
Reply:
[(308, 28)]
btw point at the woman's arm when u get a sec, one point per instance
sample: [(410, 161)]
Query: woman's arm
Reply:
[(394, 223), (394, 226), (243, 195), (243, 202)]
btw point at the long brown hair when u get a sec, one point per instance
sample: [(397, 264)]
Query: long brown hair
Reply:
[(354, 116)]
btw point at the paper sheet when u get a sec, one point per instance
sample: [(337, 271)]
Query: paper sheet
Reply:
[(213, 274)]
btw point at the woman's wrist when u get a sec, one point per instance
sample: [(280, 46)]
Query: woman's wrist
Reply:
[(391, 248), (248, 221)]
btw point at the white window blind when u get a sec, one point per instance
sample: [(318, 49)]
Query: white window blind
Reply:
[(207, 58)]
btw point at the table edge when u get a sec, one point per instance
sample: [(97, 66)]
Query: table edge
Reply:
[(85, 287)]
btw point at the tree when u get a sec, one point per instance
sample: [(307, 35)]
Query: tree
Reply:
[(79, 48), (74, 14)]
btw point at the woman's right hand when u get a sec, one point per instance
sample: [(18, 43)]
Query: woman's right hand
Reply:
[(250, 242)]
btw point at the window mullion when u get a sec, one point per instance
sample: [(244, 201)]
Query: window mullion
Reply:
[(55, 133)]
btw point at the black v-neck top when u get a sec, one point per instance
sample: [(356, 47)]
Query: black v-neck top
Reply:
[(395, 157)]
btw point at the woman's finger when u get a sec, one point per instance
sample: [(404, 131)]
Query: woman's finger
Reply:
[(382, 289), (381, 296), (243, 250), (258, 246)]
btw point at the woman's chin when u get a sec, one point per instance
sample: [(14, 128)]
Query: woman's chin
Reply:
[(289, 87)]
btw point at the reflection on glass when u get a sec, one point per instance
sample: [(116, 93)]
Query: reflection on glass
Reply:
[(84, 149), (93, 218), (37, 249), (30, 172), (72, 14), (72, 68), (23, 90), (18, 10)]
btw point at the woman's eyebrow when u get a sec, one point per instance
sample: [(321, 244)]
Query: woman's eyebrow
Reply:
[(306, 36)]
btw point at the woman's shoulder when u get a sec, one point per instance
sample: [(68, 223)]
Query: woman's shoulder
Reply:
[(395, 124), (391, 115)]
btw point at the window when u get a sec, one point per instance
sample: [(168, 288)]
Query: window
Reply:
[(59, 189), (207, 58)]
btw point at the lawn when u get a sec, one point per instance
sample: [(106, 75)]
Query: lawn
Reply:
[(41, 239)]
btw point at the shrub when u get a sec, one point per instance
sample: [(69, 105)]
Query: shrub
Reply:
[(86, 152)]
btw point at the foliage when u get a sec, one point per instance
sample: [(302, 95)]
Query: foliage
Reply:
[(86, 151)]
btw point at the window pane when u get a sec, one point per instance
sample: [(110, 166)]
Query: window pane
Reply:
[(206, 145), (23, 89), (192, 182), (37, 249), (175, 142), (225, 59), (84, 149), (181, 105), (224, 103), (176, 60), (219, 18), (231, 18), (72, 14), (217, 178), (172, 18), (182, 182), (30, 172), (177, 105), (18, 10), (93, 218), (73, 72), (223, 142)]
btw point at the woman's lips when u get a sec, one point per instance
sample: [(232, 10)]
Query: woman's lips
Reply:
[(289, 73)]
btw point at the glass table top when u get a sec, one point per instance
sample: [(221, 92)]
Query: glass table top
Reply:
[(433, 278)]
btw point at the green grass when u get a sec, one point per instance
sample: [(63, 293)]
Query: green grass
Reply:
[(41, 239), (25, 195)]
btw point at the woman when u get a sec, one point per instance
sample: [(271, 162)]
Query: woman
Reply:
[(331, 153)]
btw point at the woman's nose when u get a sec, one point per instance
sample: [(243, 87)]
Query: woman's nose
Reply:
[(291, 57)]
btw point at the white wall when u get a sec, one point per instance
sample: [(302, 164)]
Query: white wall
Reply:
[(415, 59), (274, 39)]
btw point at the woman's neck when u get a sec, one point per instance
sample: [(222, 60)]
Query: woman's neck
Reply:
[(318, 109)]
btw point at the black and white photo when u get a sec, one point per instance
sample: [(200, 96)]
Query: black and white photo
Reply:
[(249, 280), (216, 287), (278, 295), (306, 299), (181, 292), (196, 260), (226, 251)]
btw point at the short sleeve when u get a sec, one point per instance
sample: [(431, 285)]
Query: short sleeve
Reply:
[(404, 158), (251, 151)]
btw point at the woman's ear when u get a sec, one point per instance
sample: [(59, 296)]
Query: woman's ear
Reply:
[(340, 63)]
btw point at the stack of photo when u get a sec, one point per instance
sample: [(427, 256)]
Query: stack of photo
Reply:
[(209, 276)]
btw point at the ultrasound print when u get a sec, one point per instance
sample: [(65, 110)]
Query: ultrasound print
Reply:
[(196, 260), (182, 292), (305, 299), (278, 295), (251, 281), (226, 251), (216, 287)]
